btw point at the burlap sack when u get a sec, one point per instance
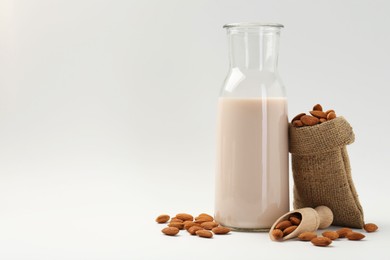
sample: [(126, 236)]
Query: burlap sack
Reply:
[(322, 172)]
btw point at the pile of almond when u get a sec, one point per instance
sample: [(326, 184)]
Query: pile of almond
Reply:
[(286, 227), (317, 116), (202, 225)]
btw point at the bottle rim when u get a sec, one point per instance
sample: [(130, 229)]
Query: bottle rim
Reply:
[(252, 25)]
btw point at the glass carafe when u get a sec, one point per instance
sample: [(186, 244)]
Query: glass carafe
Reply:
[(252, 188)]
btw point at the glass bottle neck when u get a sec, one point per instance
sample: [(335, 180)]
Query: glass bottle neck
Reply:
[(254, 48)]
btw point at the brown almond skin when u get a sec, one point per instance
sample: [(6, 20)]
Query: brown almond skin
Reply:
[(277, 234), (162, 219), (283, 224), (289, 230), (331, 116), (179, 225), (370, 227), (221, 230), (321, 241), (192, 230), (318, 114), (204, 233), (342, 232), (317, 107), (294, 220), (209, 225), (328, 111), (355, 236), (201, 220), (190, 224), (307, 236), (309, 120), (170, 231), (205, 217), (297, 123), (184, 216), (176, 220), (322, 120), (330, 234), (297, 117)]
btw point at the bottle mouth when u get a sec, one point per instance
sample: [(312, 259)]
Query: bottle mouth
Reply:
[(252, 25)]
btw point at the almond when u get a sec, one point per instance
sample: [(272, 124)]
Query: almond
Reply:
[(192, 230), (318, 114), (205, 216), (317, 107), (342, 232), (200, 220), (297, 117), (330, 234), (370, 227), (204, 233), (221, 230), (179, 225), (309, 120), (307, 236), (331, 116), (294, 220), (289, 230), (322, 120), (321, 241), (209, 225), (283, 224), (277, 233), (170, 231), (355, 236), (162, 218), (189, 224), (184, 216), (297, 123), (176, 220), (328, 111)]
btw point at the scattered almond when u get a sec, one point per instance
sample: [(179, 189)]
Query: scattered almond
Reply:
[(200, 220), (317, 107), (209, 225), (188, 224), (170, 231), (192, 230), (204, 233), (318, 114), (307, 236), (277, 233), (176, 220), (179, 225), (309, 120), (342, 232), (355, 236), (370, 227), (162, 218), (283, 224), (328, 111), (205, 216), (330, 234), (184, 216), (289, 230), (321, 241), (221, 230)]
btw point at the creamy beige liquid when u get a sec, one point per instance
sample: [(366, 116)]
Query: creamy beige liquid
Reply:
[(252, 162)]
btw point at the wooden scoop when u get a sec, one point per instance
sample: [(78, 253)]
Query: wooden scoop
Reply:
[(311, 220)]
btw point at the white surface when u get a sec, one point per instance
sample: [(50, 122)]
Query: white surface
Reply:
[(107, 119)]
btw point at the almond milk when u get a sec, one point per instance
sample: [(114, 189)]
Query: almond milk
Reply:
[(252, 188)]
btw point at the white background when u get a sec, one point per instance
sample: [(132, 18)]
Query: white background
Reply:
[(108, 111)]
